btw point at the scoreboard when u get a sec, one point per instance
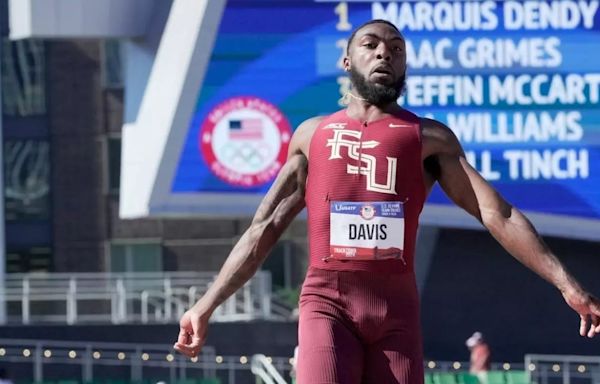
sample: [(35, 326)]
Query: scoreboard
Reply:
[(517, 81)]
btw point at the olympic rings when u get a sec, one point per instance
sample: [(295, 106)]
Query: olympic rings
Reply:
[(245, 155)]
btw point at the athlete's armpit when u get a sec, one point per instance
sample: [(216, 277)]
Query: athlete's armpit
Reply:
[(432, 167)]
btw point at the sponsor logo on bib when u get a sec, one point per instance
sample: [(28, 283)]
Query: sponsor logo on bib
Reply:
[(367, 212)]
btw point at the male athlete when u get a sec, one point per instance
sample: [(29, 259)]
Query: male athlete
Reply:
[(363, 174)]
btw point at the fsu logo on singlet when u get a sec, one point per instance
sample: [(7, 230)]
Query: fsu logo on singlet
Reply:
[(351, 141)]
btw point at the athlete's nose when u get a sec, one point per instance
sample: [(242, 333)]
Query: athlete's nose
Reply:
[(383, 52)]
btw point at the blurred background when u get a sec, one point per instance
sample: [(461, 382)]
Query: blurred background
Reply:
[(140, 135)]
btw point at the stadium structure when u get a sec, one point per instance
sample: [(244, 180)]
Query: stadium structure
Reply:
[(139, 136)]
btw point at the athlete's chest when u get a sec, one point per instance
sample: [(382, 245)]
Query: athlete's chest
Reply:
[(350, 156), (351, 140)]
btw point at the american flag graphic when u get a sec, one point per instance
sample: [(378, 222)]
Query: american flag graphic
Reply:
[(246, 129)]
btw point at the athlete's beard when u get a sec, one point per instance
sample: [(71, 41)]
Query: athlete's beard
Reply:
[(376, 93)]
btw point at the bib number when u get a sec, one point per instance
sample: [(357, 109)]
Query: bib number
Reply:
[(366, 230)]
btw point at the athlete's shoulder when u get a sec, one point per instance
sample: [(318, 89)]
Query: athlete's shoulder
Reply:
[(334, 120), (407, 116), (310, 124), (307, 127), (303, 134), (434, 128), (438, 137), (314, 122)]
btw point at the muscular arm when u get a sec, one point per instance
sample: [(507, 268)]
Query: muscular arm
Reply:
[(469, 190), (281, 204)]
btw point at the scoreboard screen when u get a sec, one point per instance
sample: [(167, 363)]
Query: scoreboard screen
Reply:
[(517, 81)]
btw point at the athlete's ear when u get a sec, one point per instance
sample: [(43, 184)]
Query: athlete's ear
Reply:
[(346, 62)]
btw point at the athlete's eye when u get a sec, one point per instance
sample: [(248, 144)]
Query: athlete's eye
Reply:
[(398, 49), (370, 45)]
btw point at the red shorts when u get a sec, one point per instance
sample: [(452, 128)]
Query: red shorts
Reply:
[(359, 327)]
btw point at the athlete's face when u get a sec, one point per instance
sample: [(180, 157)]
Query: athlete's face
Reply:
[(377, 63)]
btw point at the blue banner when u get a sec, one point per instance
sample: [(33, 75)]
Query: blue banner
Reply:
[(517, 81)]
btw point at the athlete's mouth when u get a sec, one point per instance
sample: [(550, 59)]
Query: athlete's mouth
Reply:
[(383, 69)]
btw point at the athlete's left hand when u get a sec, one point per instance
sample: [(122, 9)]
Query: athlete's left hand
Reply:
[(588, 308), (192, 332)]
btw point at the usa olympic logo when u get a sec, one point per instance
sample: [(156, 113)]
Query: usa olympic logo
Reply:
[(244, 141), (367, 212)]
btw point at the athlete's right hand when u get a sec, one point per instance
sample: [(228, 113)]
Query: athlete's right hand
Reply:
[(192, 333), (588, 308)]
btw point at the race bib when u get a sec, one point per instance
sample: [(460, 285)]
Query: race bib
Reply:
[(366, 230)]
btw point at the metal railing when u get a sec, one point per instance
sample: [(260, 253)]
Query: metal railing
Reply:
[(263, 368), (39, 360), (565, 369), (129, 297), (536, 369)]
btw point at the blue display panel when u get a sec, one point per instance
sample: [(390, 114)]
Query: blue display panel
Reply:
[(518, 82)]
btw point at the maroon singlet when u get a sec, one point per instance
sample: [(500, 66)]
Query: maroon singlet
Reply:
[(359, 320), (328, 180)]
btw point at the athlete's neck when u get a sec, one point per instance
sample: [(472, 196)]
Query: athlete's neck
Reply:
[(360, 109)]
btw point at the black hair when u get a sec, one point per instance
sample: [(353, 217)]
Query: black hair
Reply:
[(374, 21)]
